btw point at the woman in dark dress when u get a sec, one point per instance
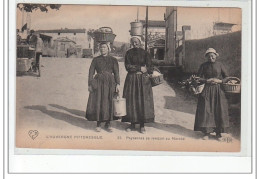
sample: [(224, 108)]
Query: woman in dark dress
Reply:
[(137, 88), (102, 87), (212, 108)]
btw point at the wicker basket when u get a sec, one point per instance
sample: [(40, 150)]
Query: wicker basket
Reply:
[(232, 88), (104, 34), (156, 80)]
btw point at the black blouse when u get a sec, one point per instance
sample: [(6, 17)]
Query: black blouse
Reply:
[(212, 70), (104, 64), (135, 58)]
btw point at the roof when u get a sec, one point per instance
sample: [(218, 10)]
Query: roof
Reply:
[(45, 36), (63, 31), (153, 23), (64, 39), (223, 24), (159, 42)]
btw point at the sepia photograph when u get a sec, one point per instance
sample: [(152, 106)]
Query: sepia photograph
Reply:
[(128, 77)]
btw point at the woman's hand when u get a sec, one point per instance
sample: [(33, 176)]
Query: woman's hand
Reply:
[(90, 89), (117, 88), (217, 80), (210, 80), (143, 69), (214, 81)]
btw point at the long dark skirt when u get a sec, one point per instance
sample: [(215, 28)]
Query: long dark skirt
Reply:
[(100, 102), (212, 110), (139, 99)]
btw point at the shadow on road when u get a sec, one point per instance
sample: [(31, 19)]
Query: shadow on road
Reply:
[(73, 120), (72, 111), (176, 129), (115, 124), (91, 125), (187, 103), (32, 74), (178, 104)]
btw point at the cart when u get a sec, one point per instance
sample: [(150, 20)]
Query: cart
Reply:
[(26, 61), (87, 53)]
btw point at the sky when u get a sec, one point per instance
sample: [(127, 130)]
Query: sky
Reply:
[(119, 18)]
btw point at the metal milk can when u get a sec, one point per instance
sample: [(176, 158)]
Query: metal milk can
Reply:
[(136, 29), (119, 106)]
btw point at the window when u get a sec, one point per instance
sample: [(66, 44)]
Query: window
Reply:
[(59, 33), (74, 33)]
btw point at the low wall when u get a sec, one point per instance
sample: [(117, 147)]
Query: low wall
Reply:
[(228, 46)]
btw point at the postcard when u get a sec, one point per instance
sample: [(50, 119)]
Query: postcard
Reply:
[(120, 77)]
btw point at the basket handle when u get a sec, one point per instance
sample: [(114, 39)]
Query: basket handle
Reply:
[(156, 69), (233, 78), (106, 28), (117, 95)]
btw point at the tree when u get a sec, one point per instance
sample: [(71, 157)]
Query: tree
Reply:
[(91, 33), (124, 48), (42, 7)]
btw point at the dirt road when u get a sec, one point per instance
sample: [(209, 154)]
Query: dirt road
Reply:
[(55, 104)]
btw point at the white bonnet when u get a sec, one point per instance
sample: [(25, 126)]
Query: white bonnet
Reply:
[(137, 37), (211, 50), (108, 45)]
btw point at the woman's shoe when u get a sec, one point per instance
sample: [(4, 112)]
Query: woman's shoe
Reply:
[(205, 137), (130, 128), (108, 127), (219, 137), (142, 130), (98, 129)]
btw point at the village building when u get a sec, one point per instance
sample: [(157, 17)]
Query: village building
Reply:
[(177, 35), (170, 18), (66, 39), (185, 52), (220, 28), (155, 38), (46, 45), (63, 47)]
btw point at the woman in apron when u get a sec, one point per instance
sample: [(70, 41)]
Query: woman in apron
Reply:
[(102, 87), (212, 107), (137, 88)]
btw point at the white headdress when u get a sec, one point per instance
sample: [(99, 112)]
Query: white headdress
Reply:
[(108, 45), (137, 37), (211, 50)]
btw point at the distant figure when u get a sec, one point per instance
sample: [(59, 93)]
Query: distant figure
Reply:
[(212, 108), (31, 38), (38, 50), (138, 89), (102, 87)]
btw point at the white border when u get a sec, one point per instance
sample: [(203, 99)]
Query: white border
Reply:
[(57, 163)]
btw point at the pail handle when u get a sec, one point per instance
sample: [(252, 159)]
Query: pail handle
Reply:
[(233, 78), (156, 69), (118, 95)]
